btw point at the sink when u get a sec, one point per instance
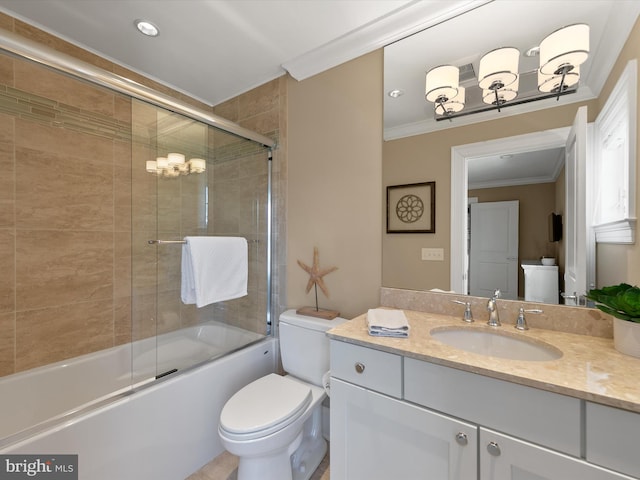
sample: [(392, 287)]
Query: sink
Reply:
[(496, 344)]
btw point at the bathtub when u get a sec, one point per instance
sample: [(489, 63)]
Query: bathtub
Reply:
[(134, 426)]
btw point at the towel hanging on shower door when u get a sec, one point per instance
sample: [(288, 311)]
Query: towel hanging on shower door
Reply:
[(214, 269)]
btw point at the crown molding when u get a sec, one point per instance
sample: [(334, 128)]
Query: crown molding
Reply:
[(406, 20)]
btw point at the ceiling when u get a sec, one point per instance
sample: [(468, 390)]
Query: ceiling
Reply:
[(518, 168), (214, 50)]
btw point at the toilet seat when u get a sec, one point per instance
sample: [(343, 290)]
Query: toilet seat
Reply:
[(264, 406)]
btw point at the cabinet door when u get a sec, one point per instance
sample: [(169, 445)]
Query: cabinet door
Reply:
[(375, 437), (506, 458)]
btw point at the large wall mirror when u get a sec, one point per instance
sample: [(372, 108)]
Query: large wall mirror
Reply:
[(515, 154)]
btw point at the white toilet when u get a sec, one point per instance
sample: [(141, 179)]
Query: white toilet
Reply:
[(274, 424)]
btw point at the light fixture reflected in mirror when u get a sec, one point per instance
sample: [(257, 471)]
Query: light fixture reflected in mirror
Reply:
[(564, 49), (498, 76), (557, 83), (561, 54), (500, 96), (456, 104), (442, 87), (174, 165), (498, 68)]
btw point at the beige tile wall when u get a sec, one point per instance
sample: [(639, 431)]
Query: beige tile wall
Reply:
[(264, 110), (65, 216)]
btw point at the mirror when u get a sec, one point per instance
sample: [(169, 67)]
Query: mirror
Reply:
[(417, 148)]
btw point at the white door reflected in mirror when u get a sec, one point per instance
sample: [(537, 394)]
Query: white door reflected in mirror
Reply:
[(493, 252)]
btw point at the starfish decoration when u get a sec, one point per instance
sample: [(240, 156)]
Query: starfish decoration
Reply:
[(316, 273)]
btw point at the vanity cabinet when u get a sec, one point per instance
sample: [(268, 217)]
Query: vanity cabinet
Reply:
[(398, 417), (376, 437), (503, 457), (613, 438)]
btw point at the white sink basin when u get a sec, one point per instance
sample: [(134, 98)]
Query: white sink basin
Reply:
[(496, 344)]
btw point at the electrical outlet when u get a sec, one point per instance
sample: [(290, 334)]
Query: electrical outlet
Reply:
[(433, 254)]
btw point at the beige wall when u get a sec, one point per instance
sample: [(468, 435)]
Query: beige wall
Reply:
[(334, 179), (536, 202)]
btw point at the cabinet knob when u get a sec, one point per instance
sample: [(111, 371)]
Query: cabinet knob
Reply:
[(359, 367), (493, 448), (461, 439)]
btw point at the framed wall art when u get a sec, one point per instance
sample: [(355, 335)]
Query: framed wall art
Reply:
[(411, 208)]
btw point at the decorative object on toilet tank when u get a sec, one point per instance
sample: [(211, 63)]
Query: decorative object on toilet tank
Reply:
[(316, 280), (623, 303)]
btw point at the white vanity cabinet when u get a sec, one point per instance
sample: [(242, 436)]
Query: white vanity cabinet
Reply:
[(613, 438), (398, 417), (503, 457), (376, 437)]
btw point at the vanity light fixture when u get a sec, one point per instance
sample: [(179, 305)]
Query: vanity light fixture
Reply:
[(174, 165), (561, 54), (147, 28)]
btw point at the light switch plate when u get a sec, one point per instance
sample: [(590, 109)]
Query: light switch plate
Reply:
[(433, 254)]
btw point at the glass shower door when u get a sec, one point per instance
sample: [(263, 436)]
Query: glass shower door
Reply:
[(191, 179)]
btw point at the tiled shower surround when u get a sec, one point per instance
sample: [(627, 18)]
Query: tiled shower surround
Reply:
[(77, 209)]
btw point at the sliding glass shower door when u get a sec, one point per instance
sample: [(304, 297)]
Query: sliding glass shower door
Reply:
[(192, 180)]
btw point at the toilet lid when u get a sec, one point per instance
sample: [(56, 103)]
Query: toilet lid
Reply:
[(265, 405)]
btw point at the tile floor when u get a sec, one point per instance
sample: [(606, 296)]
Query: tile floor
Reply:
[(225, 466)]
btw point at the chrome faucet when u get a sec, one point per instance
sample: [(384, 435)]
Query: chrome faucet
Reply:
[(492, 308)]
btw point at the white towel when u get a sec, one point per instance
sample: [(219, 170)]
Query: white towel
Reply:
[(214, 269), (387, 323)]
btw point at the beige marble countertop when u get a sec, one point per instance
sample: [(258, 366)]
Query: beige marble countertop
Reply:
[(590, 368)]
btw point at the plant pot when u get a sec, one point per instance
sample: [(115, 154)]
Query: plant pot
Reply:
[(626, 337)]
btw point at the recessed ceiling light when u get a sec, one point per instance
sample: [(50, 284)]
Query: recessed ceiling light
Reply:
[(396, 93), (506, 156), (147, 28), (532, 52)]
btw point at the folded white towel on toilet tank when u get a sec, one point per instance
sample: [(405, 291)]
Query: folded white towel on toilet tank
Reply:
[(383, 322), (214, 269)]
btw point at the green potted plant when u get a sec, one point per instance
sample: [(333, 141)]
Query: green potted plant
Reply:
[(623, 303)]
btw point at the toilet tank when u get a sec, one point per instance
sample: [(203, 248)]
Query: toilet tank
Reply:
[(304, 346)]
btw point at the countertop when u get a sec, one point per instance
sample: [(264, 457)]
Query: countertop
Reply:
[(590, 368)]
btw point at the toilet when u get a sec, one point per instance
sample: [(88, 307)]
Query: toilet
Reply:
[(274, 424)]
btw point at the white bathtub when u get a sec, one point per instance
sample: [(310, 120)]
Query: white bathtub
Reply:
[(164, 430)]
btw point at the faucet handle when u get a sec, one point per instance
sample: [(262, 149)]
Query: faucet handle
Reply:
[(468, 314), (521, 322), (496, 294)]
